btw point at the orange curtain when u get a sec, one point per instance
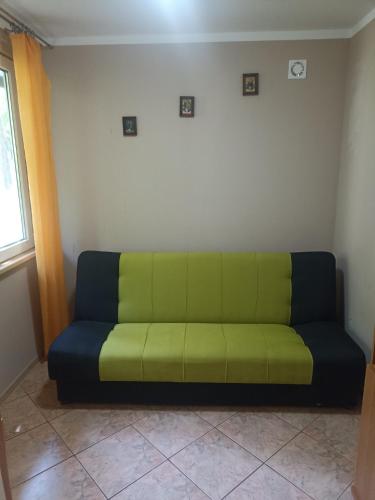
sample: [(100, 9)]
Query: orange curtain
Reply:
[(33, 90)]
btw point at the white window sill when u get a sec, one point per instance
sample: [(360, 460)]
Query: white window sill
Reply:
[(16, 261)]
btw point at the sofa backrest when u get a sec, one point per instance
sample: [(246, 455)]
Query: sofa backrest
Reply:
[(278, 288)]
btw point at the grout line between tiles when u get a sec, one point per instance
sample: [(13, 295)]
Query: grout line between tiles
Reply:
[(218, 430), (41, 472), (191, 442), (138, 479), (141, 417), (284, 420), (215, 426), (279, 473), (319, 441), (245, 479), (50, 467), (23, 433), (290, 482), (90, 476), (190, 479), (96, 442)]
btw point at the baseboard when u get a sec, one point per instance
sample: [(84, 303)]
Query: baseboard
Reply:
[(13, 384)]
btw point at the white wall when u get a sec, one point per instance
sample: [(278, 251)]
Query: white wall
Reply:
[(355, 224), (19, 322), (247, 173)]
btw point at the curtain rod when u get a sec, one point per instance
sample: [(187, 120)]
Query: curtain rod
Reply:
[(17, 26)]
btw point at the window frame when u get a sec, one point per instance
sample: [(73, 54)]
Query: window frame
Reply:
[(13, 250)]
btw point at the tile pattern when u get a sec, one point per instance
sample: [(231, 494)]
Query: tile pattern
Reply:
[(215, 415), (45, 398), (298, 417), (216, 464), (53, 483), (120, 460), (347, 495), (20, 415), (260, 433), (34, 452), (83, 428), (36, 378), (314, 467), (169, 432), (169, 453), (15, 393), (163, 483), (266, 484), (339, 431)]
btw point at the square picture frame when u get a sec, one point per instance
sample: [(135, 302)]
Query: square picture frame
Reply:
[(129, 126), (187, 106), (250, 84)]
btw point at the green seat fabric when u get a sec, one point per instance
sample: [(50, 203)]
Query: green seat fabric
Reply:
[(205, 288), (204, 352)]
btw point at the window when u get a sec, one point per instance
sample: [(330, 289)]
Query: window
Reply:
[(15, 221)]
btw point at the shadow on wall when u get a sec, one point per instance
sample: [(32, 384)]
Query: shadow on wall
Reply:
[(33, 288), (340, 296), (70, 269)]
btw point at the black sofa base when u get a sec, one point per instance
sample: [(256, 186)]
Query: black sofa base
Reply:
[(205, 394)]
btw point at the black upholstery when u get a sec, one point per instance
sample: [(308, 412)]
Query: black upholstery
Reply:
[(97, 286), (74, 355), (313, 287), (338, 361)]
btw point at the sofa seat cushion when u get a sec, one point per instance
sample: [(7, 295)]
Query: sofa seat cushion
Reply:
[(205, 352)]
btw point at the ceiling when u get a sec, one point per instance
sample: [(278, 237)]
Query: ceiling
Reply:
[(132, 21)]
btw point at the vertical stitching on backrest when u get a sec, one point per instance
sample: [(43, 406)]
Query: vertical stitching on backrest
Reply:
[(290, 288), (143, 350), (152, 287), (187, 288), (267, 356), (118, 289), (257, 285), (226, 353), (221, 287)]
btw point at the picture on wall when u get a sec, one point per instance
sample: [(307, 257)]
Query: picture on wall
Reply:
[(250, 84), (186, 106), (129, 125)]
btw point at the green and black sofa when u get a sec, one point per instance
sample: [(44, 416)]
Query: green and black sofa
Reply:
[(207, 328)]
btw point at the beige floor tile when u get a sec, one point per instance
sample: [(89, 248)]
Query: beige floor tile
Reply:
[(20, 415), (266, 484), (120, 460), (260, 433), (347, 495), (65, 481), (170, 431), (215, 464), (163, 483), (15, 393), (35, 378), (298, 417), (83, 428), (215, 415), (46, 400), (33, 452), (340, 431), (314, 467)]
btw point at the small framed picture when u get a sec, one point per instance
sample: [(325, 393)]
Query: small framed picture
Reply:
[(129, 125), (187, 106), (250, 84)]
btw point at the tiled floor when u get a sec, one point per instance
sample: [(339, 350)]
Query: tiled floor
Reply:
[(146, 453)]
